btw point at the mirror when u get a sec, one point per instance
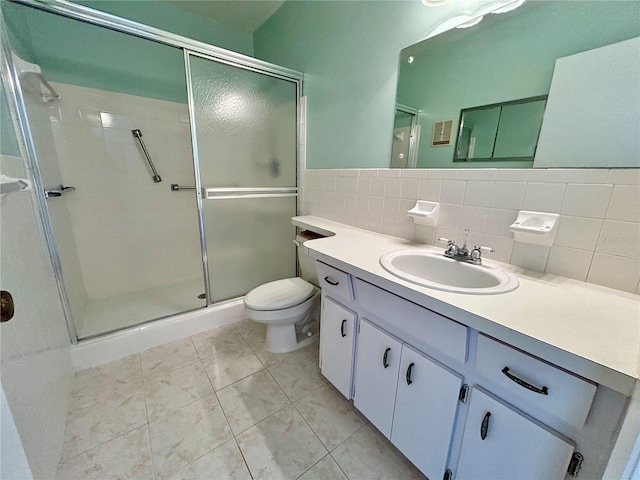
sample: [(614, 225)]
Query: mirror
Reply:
[(505, 58), (502, 131)]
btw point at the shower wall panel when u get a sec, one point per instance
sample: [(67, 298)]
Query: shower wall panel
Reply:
[(131, 233)]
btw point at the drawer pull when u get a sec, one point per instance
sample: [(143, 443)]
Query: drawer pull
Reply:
[(484, 428), (342, 325), (525, 384), (408, 376), (385, 358), (331, 282)]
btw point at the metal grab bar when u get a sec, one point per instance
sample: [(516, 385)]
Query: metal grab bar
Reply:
[(138, 134), (248, 192), (175, 187), (54, 95), (57, 191)]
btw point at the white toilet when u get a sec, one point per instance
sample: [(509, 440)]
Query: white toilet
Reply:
[(290, 308)]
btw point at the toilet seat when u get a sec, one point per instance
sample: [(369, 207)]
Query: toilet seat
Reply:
[(279, 295)]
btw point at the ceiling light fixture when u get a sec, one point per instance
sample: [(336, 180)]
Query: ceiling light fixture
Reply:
[(434, 3)]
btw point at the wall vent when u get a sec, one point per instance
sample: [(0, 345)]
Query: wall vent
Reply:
[(442, 133)]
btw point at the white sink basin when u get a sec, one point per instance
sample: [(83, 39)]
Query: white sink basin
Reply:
[(433, 270)]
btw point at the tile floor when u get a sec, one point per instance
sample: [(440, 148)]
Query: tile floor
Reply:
[(216, 406)]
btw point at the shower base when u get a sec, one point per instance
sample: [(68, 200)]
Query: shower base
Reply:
[(126, 310)]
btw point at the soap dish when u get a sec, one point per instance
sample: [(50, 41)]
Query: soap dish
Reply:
[(425, 213), (538, 228)]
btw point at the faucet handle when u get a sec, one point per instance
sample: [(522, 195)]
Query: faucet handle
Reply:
[(476, 254), (446, 240)]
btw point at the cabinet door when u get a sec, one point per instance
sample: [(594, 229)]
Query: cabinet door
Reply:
[(337, 337), (500, 443), (376, 376), (426, 405)]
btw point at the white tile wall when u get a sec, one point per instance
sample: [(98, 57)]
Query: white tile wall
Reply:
[(599, 231), (131, 233), (34, 346)]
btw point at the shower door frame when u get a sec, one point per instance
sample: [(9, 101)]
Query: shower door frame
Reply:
[(188, 46)]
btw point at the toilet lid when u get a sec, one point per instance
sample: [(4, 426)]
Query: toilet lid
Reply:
[(279, 294)]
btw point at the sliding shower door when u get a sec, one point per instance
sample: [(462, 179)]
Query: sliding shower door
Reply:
[(244, 127), (126, 245)]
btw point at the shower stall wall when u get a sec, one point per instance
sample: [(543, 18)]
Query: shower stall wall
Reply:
[(128, 247)]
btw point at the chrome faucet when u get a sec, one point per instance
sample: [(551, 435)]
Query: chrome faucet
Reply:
[(462, 253)]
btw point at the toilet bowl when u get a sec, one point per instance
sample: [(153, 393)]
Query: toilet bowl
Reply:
[(290, 307)]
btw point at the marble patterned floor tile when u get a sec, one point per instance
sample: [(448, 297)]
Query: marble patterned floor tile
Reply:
[(255, 334), (186, 434), (251, 400), (127, 456), (332, 417), (168, 391), (163, 359), (325, 469), (280, 447), (226, 368), (109, 415), (368, 454), (220, 340), (299, 374), (223, 463), (94, 383)]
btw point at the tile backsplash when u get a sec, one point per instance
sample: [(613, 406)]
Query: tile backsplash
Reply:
[(598, 238)]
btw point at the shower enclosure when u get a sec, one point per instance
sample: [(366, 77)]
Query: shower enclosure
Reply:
[(167, 167)]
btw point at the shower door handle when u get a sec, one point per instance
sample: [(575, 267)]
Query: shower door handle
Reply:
[(57, 191)]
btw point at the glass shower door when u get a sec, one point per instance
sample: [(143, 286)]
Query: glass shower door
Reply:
[(244, 126)]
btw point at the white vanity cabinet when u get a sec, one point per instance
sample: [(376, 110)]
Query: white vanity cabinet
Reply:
[(337, 337), (411, 399), (376, 371), (425, 411), (456, 402), (501, 444)]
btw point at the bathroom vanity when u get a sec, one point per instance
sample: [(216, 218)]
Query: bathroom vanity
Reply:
[(540, 382)]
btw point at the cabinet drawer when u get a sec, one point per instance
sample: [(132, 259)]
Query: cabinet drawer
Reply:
[(419, 326), (545, 386), (334, 281)]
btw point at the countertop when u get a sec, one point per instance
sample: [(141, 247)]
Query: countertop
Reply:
[(591, 330)]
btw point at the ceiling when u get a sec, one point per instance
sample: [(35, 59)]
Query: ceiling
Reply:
[(245, 15)]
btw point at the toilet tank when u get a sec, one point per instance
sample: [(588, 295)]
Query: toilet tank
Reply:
[(307, 262)]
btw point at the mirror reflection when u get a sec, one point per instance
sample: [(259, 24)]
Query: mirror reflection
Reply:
[(503, 131), (503, 59)]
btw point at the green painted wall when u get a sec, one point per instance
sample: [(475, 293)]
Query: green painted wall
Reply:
[(73, 52), (8, 141), (505, 57), (173, 19), (349, 52)]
